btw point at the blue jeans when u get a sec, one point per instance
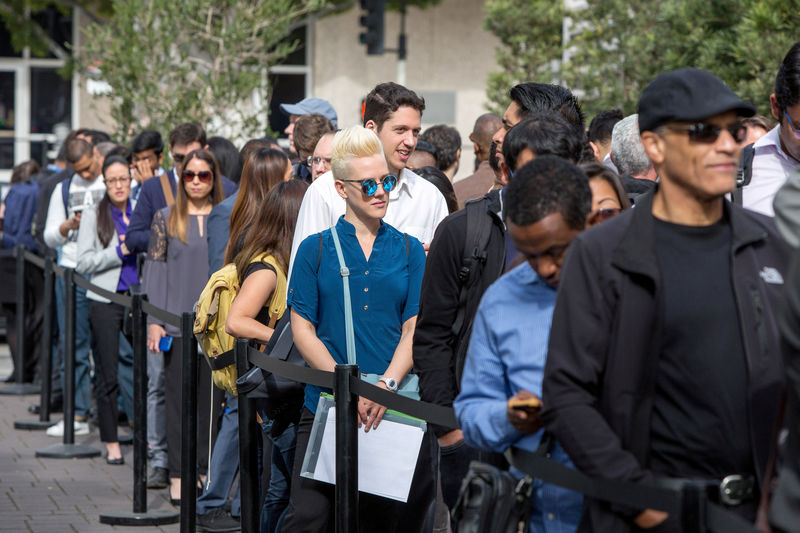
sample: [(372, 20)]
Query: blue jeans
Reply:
[(276, 501), (83, 387), (224, 463)]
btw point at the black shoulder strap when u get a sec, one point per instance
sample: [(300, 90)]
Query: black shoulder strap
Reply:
[(319, 259), (407, 253), (744, 174), (476, 241)]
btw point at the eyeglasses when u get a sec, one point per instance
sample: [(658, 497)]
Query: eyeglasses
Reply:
[(369, 186), (709, 133), (203, 175), (178, 158), (317, 160), (117, 181), (791, 125)]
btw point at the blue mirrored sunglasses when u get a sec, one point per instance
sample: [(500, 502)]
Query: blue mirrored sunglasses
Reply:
[(370, 186)]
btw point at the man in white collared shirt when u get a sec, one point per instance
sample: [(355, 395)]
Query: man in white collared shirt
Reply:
[(415, 206), (777, 153)]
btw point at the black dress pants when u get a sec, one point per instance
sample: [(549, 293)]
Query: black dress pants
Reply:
[(106, 320), (173, 403), (311, 503)]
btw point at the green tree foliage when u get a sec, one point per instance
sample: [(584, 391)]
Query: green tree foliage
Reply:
[(202, 60), (530, 44), (616, 47)]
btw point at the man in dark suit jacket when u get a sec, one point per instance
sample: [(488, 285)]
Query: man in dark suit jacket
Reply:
[(184, 139)]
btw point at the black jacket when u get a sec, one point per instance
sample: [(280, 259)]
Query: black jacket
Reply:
[(605, 339), (436, 348)]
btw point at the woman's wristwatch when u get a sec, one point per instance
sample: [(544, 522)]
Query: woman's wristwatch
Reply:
[(390, 383)]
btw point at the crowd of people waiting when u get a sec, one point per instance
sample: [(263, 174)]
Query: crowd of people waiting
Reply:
[(623, 288)]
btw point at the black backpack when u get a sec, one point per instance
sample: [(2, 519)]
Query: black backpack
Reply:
[(492, 501), (744, 174), (475, 259)]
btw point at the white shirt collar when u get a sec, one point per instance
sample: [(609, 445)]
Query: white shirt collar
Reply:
[(771, 138)]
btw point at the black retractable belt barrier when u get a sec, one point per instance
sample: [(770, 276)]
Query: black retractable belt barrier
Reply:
[(140, 515), (346, 401), (20, 388), (684, 498), (188, 424), (248, 449), (69, 450), (46, 357)]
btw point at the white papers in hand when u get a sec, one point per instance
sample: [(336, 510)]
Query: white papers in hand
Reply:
[(387, 457)]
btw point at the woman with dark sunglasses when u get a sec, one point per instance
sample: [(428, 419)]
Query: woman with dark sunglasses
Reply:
[(385, 277), (174, 275), (104, 258), (608, 195)]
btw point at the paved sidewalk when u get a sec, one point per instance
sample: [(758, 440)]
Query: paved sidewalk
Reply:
[(40, 495)]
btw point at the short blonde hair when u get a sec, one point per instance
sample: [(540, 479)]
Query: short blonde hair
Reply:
[(352, 142)]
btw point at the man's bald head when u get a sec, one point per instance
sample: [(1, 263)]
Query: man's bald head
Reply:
[(485, 127)]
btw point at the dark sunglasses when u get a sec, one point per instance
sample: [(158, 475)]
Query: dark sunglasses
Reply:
[(204, 175), (604, 214), (709, 133), (370, 186)]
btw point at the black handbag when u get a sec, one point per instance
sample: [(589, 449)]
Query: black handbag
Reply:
[(492, 501), (280, 398)]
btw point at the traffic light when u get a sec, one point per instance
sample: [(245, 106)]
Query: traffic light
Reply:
[(372, 22)]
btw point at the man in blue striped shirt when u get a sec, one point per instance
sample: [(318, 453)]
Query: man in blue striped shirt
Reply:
[(546, 207)]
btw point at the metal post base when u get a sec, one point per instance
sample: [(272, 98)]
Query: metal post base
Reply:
[(20, 389), (154, 517), (33, 424), (68, 451)]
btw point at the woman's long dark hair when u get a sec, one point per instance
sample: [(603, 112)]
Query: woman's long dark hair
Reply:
[(105, 223), (275, 225), (264, 169)]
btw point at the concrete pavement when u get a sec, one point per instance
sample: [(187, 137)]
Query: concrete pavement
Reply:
[(40, 495)]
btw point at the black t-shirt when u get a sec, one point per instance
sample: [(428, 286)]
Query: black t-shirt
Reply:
[(263, 315), (699, 425)]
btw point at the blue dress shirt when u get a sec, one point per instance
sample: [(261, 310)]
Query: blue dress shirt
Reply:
[(384, 293), (506, 354)]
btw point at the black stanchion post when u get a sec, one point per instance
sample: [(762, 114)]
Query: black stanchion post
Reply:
[(346, 450), (140, 516), (188, 424), (46, 357), (69, 450), (248, 449), (19, 387), (693, 507)]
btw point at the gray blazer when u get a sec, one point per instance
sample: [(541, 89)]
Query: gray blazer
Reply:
[(101, 265)]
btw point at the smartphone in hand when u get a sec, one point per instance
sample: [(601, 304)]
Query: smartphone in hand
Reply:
[(528, 404)]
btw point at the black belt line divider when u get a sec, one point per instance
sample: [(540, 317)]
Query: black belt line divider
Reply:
[(46, 356), (164, 316), (433, 413), (249, 483), (35, 259), (189, 361), (68, 449), (140, 516), (19, 387), (300, 374), (120, 299), (223, 360)]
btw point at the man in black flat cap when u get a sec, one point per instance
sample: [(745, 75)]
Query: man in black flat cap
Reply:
[(664, 359)]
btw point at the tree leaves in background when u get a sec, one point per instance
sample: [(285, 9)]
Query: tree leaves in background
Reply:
[(618, 46)]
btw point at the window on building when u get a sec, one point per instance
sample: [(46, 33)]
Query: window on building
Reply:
[(290, 81)]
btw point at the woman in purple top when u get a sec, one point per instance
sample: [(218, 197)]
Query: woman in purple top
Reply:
[(104, 258)]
